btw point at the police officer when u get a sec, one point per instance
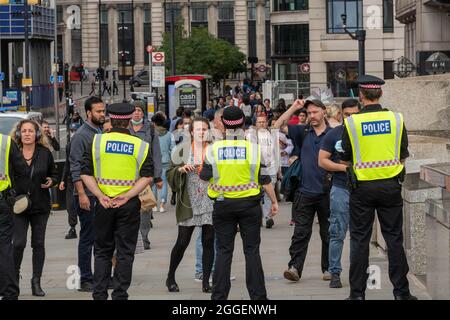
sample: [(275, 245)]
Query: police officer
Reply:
[(12, 165), (233, 167), (376, 143), (117, 169)]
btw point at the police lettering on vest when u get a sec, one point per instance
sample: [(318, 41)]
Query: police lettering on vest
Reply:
[(376, 127), (119, 147), (232, 153)]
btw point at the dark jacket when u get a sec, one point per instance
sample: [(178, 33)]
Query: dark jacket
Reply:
[(66, 177), (81, 142), (44, 166), (178, 183)]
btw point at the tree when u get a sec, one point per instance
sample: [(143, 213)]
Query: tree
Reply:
[(201, 53)]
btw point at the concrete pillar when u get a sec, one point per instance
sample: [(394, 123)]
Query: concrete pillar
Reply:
[(261, 31), (185, 16), (241, 25), (113, 37), (138, 37), (67, 38), (157, 13), (90, 34), (213, 17)]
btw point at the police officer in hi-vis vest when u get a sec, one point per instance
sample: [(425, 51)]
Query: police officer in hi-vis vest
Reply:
[(117, 169), (376, 143), (233, 167), (12, 166)]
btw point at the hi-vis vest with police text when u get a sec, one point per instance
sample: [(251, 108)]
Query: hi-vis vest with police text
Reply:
[(375, 139), (5, 146), (236, 165), (117, 159)]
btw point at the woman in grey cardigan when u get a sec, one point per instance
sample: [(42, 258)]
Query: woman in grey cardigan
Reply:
[(193, 207)]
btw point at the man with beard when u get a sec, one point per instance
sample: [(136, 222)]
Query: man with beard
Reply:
[(312, 195), (85, 201)]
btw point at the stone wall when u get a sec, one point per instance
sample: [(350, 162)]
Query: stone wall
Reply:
[(423, 101)]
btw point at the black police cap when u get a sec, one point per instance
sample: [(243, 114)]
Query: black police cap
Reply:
[(120, 110), (368, 81)]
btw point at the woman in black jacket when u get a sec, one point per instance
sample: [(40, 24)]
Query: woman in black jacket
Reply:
[(42, 170)]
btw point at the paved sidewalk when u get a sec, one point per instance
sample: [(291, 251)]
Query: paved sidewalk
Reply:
[(150, 268)]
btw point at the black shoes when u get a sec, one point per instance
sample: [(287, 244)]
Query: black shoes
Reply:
[(86, 287), (269, 223), (207, 289), (36, 289), (335, 281), (72, 234), (172, 286), (407, 297), (147, 245)]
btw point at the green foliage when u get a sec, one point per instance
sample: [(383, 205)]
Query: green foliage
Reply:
[(202, 53)]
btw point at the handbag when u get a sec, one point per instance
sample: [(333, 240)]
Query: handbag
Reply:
[(147, 198), (23, 202)]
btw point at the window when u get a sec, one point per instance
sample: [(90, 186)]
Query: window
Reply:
[(226, 11), (290, 5), (388, 16), (291, 40), (388, 70), (251, 10), (199, 12), (267, 9), (104, 37), (176, 14), (147, 13), (59, 14), (352, 8), (252, 38), (126, 9), (147, 29), (341, 76)]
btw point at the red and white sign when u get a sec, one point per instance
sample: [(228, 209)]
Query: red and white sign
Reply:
[(149, 49), (262, 68), (158, 57), (304, 68)]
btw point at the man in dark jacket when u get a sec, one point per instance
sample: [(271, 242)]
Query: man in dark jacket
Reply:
[(84, 200)]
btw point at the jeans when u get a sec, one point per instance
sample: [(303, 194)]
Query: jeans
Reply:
[(163, 191), (339, 219), (266, 202), (87, 237)]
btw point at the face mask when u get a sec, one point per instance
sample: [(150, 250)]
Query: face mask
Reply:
[(135, 123)]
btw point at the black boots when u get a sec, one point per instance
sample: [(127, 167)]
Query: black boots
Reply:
[(36, 287)]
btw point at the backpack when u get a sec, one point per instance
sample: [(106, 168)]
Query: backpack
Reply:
[(293, 176)]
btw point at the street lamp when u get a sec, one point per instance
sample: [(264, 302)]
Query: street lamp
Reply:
[(359, 35), (123, 56), (172, 37)]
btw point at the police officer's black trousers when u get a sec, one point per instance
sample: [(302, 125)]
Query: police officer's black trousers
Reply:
[(227, 216), (384, 197), (9, 283), (115, 228)]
